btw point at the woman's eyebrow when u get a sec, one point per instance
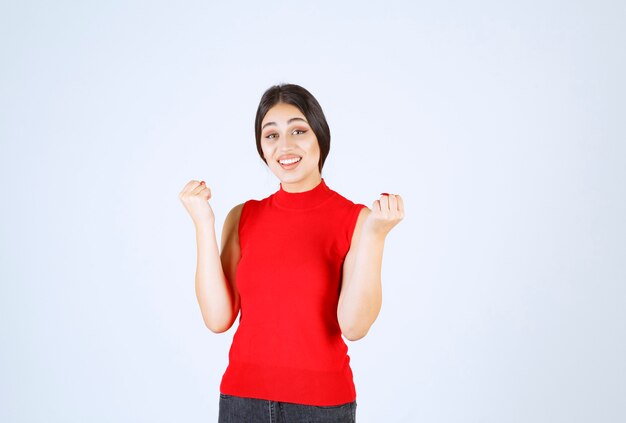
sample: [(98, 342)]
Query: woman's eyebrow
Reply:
[(288, 122)]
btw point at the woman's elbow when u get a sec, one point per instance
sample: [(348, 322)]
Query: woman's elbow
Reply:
[(355, 328), (355, 337), (217, 328), (354, 334), (219, 325)]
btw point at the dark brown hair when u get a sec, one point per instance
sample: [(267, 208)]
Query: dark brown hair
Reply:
[(302, 99)]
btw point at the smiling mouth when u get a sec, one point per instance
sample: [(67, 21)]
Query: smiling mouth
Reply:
[(287, 162)]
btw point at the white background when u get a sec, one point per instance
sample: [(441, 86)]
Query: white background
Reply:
[(500, 123)]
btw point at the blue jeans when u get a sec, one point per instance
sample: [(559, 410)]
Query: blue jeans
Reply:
[(235, 409)]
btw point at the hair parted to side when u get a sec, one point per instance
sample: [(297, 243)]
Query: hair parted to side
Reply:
[(302, 99)]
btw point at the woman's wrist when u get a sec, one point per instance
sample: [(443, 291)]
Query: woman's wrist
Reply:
[(205, 227)]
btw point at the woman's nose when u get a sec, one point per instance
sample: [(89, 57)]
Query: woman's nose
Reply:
[(285, 142)]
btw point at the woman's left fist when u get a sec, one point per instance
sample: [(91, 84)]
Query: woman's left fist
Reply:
[(386, 213)]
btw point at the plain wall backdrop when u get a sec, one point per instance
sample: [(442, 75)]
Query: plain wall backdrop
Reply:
[(500, 123)]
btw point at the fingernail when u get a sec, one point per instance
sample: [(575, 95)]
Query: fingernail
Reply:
[(202, 182), (384, 193)]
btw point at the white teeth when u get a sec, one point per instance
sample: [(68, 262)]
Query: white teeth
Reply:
[(290, 161)]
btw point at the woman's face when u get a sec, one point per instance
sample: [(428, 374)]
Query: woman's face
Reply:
[(290, 148)]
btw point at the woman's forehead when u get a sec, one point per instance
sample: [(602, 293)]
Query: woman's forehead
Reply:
[(282, 114)]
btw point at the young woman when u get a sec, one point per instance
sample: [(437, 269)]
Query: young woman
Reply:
[(303, 266)]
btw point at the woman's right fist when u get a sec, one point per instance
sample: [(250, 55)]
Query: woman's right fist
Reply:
[(195, 197)]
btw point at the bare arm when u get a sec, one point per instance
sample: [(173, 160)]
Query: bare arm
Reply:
[(215, 274), (360, 299)]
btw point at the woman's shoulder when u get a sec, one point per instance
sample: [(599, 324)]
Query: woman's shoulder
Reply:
[(238, 208), (346, 203), (233, 216), (240, 211)]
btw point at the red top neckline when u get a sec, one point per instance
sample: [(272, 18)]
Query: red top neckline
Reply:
[(305, 199)]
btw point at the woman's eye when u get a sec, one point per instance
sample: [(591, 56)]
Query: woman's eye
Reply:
[(273, 136)]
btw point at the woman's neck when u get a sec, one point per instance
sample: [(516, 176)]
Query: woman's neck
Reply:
[(302, 185)]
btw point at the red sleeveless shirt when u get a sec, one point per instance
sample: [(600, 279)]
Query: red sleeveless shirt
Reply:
[(288, 345)]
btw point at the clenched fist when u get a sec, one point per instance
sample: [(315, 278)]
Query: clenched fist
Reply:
[(195, 197), (386, 213)]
